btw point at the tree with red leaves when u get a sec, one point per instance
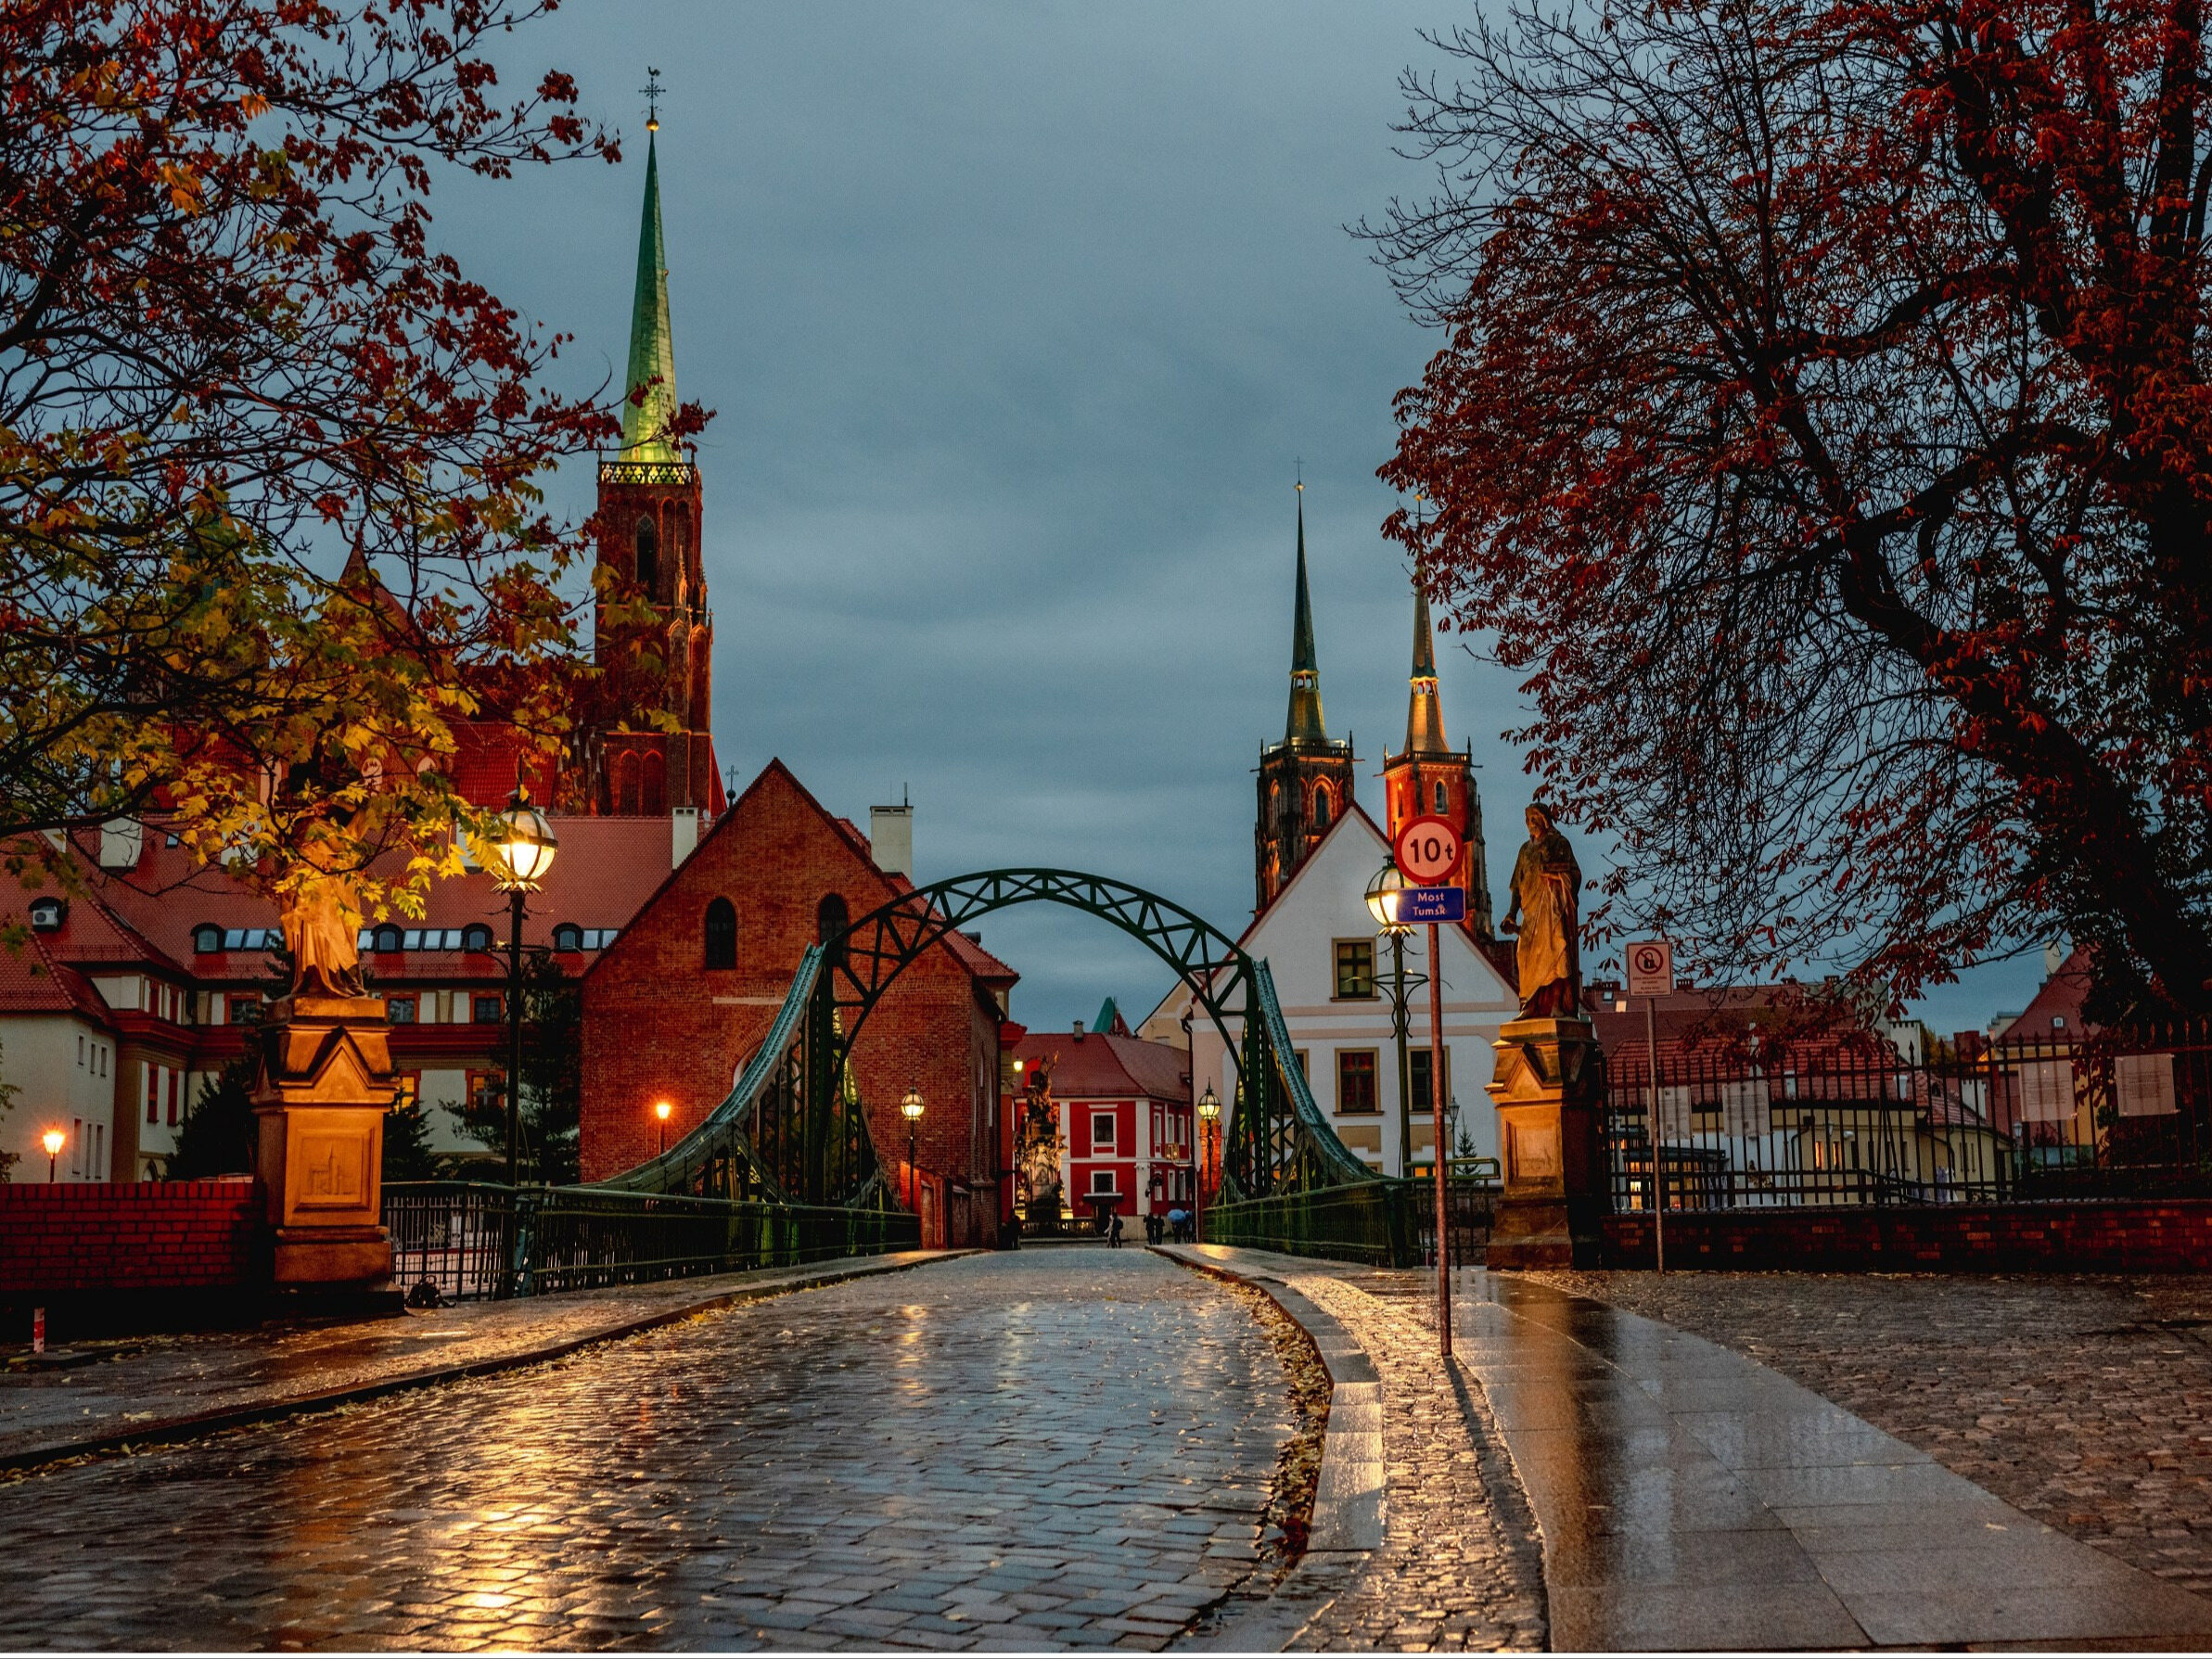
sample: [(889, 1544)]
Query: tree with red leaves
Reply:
[(270, 461), (1824, 427)]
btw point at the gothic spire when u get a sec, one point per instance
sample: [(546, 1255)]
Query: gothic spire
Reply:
[(1304, 724), (1424, 714), (652, 345)]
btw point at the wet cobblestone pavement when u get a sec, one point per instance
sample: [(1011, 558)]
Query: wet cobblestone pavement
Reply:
[(138, 1383), (2081, 1399), (1462, 1562), (1050, 1448)]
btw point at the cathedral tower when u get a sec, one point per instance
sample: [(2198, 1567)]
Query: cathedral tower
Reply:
[(1430, 779), (1305, 781), (654, 640)]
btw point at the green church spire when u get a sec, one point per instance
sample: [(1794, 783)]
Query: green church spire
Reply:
[(1425, 714), (1304, 724), (652, 345)]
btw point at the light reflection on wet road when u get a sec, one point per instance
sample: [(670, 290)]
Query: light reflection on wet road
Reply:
[(1047, 1449)]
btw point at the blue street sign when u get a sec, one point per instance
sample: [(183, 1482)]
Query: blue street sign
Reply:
[(1432, 904)]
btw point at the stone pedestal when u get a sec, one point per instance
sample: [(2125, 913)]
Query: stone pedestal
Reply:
[(324, 1086), (1548, 1093)]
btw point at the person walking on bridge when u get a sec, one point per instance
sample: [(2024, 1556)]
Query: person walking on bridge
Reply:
[(1113, 1231)]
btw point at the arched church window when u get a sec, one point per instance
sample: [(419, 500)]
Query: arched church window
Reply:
[(648, 554), (626, 784), (1441, 797), (722, 934), (831, 918), (1320, 809), (676, 539), (654, 794)]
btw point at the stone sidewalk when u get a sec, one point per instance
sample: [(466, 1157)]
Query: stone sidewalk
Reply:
[(2079, 1398), (1685, 1496), (159, 1389)]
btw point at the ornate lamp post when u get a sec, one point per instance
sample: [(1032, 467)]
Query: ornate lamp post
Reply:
[(910, 1107), (1382, 904), (660, 1110), (524, 855), (51, 1140), (1209, 1114)]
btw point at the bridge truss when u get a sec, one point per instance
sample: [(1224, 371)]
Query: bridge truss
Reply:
[(794, 1129)]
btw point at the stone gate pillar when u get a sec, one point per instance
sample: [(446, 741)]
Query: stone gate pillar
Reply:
[(319, 1106), (1549, 1095)]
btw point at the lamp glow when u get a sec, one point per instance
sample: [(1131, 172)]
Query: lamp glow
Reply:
[(51, 1140), (1210, 1105), (910, 1104), (1382, 898), (525, 847)]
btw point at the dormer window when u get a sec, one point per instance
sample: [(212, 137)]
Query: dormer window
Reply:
[(388, 939), (46, 912), (476, 936), (207, 938), (567, 937)]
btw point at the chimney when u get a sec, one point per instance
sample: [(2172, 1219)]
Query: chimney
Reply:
[(891, 838), (684, 835), (1079, 1031), (120, 839)]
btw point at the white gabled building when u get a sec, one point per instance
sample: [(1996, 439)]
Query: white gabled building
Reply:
[(1331, 972)]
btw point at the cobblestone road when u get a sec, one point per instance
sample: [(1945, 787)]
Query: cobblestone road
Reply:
[(1461, 1566), (2081, 1399), (1065, 1448)]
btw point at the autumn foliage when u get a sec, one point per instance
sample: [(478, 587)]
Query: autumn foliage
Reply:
[(270, 515), (1823, 428)]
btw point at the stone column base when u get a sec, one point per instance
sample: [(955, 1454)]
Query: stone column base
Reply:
[(1545, 1232), (1550, 1211), (340, 1256)]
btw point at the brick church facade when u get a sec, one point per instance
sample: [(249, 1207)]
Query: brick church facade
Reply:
[(661, 1024)]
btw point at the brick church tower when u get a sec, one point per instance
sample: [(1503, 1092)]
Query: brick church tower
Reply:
[(1305, 781), (654, 636), (1430, 779)]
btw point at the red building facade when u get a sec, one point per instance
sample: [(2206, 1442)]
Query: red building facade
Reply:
[(1125, 1119), (660, 1024)]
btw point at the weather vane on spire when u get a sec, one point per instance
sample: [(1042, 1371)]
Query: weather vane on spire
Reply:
[(1298, 473), (651, 91)]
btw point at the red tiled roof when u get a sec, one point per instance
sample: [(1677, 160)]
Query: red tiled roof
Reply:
[(1107, 1067), (603, 873), (32, 982), (2060, 998)]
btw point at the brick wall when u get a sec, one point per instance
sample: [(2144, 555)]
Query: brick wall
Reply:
[(2107, 1236), (658, 1024), (129, 1236)]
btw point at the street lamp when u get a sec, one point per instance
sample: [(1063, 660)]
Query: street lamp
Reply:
[(910, 1107), (522, 855), (660, 1110), (51, 1140), (1209, 1114), (1382, 904)]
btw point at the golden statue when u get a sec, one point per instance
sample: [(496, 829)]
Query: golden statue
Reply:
[(322, 935), (1547, 886)]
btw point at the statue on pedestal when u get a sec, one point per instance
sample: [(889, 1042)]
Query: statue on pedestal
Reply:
[(1545, 907), (322, 935)]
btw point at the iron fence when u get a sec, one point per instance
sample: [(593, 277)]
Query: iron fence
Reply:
[(474, 1240), (1850, 1122), (1388, 1222)]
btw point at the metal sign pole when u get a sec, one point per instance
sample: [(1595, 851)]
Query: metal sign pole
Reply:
[(1651, 1045), (1436, 1100)]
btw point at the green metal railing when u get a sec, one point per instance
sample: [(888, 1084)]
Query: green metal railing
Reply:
[(474, 1241), (1383, 1221)]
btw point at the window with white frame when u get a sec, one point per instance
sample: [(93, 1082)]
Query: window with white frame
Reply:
[(1102, 1132)]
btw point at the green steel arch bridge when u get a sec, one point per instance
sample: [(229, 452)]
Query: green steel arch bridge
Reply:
[(793, 1130)]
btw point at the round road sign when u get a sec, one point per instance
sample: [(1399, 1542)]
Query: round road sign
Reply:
[(1427, 851)]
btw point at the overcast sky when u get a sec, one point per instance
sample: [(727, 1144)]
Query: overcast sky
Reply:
[(1019, 320)]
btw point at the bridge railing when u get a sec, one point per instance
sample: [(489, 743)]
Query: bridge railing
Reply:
[(474, 1240), (1384, 1221)]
